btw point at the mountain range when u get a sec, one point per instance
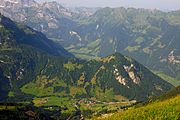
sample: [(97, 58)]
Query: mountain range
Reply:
[(149, 36), (31, 64), (34, 70), (75, 63)]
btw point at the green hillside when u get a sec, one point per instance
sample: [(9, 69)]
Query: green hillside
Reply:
[(164, 107)]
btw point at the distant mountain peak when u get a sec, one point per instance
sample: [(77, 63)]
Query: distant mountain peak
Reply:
[(17, 3)]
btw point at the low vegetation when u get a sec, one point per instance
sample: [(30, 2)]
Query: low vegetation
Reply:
[(165, 107), (168, 109)]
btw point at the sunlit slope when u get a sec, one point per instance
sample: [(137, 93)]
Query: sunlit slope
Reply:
[(166, 107)]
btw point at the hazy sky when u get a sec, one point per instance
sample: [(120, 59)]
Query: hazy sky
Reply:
[(158, 4)]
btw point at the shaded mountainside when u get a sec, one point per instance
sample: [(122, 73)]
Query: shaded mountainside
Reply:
[(18, 46), (33, 70), (23, 111), (149, 36), (15, 35), (170, 94)]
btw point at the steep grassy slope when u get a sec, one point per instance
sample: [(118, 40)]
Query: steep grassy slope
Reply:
[(168, 109), (164, 107)]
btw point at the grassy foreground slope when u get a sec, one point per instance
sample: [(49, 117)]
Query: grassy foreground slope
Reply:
[(164, 107), (165, 110)]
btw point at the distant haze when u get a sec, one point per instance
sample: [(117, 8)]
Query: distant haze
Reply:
[(150, 4)]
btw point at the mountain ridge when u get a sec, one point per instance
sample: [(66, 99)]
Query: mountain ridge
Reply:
[(149, 36), (34, 71)]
